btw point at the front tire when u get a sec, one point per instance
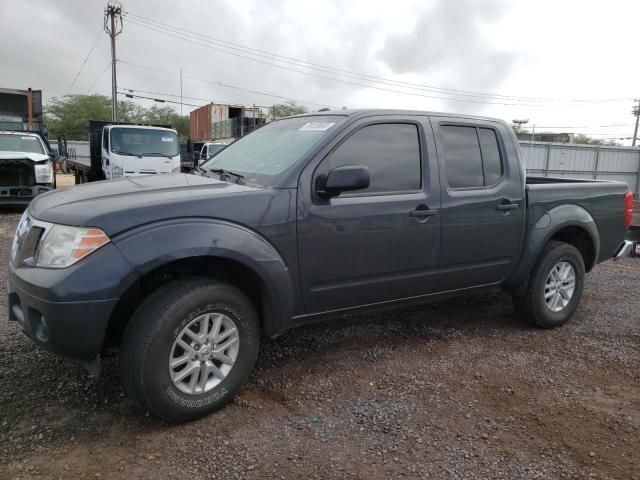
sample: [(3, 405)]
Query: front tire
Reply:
[(555, 286), (189, 348)]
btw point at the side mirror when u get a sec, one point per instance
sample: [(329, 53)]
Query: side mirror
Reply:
[(346, 179)]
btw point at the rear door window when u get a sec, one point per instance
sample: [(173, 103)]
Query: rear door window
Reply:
[(471, 156)]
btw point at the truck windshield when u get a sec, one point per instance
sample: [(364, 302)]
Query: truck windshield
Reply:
[(144, 142), (265, 155), (214, 149), (20, 143)]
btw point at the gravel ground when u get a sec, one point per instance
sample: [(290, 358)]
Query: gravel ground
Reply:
[(458, 389)]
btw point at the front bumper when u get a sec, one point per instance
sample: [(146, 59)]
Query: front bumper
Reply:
[(66, 311), (70, 329), (21, 195)]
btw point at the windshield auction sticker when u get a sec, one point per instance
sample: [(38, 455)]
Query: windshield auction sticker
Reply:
[(316, 126), (167, 139)]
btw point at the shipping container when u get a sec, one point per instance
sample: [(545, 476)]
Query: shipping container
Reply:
[(203, 122)]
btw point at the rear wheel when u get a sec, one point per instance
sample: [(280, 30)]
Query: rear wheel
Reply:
[(189, 348), (555, 286)]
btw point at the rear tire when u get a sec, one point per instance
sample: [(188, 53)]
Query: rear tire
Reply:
[(163, 330), (555, 286)]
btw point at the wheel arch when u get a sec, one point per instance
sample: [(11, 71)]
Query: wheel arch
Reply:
[(218, 250), (569, 223)]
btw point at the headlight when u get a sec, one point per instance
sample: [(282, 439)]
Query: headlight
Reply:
[(44, 172), (116, 171), (63, 246)]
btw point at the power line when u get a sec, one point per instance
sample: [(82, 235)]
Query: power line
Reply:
[(226, 85), (95, 42), (182, 37), (208, 100), (128, 94), (98, 79), (244, 50)]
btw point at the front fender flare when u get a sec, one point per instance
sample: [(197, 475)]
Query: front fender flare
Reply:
[(151, 246), (545, 227)]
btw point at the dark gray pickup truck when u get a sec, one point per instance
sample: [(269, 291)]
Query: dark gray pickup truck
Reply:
[(309, 217)]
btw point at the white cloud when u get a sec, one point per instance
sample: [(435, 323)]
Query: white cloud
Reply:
[(564, 50)]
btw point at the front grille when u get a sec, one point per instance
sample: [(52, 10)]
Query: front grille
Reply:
[(21, 232), (17, 173), (29, 245), (27, 238)]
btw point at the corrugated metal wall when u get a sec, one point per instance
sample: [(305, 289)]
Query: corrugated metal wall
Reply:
[(621, 164)]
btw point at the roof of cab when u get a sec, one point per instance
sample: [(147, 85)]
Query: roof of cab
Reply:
[(147, 127), (364, 112)]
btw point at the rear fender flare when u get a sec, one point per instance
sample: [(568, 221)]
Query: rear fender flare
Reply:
[(546, 226)]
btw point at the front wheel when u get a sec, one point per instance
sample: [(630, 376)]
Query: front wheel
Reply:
[(555, 286), (189, 348)]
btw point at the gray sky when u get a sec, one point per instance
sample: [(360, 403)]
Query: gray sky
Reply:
[(508, 59)]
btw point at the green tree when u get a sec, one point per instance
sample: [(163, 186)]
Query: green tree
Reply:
[(168, 116), (70, 115), (281, 110), (586, 140)]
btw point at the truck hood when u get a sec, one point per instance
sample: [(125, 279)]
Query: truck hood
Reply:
[(118, 205), (34, 157)]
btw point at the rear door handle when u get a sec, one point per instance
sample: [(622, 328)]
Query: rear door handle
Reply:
[(505, 207), (423, 213)]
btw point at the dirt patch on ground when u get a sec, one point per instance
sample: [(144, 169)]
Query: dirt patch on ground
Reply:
[(459, 389)]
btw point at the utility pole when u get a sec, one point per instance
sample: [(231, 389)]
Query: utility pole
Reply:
[(181, 92), (113, 26), (636, 112)]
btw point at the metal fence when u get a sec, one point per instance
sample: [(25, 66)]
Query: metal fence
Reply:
[(583, 161), (78, 149)]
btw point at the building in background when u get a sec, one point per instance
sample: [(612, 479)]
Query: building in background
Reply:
[(546, 137)]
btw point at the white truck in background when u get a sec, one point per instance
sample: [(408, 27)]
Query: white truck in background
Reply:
[(210, 149), (26, 159), (127, 150)]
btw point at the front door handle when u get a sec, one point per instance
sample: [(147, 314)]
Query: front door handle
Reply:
[(505, 207)]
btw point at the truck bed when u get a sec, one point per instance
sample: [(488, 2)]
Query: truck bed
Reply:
[(79, 161), (603, 200)]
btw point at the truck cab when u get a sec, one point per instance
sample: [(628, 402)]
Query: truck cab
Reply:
[(132, 150)]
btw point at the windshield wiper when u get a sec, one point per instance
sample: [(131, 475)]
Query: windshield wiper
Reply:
[(222, 172), (130, 154), (158, 153)]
